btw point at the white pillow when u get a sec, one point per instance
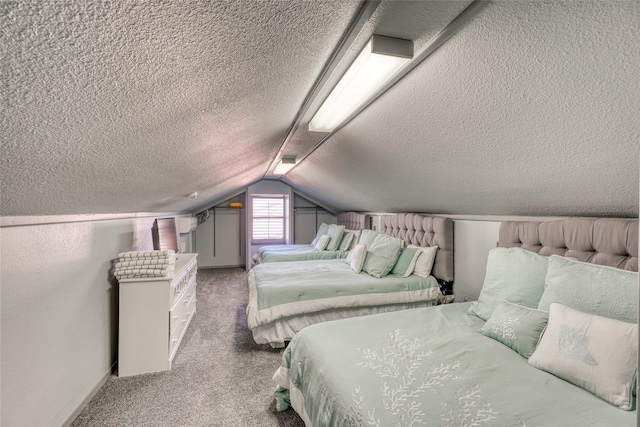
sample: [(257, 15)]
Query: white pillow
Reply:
[(359, 254), (322, 242), (593, 352), (424, 263)]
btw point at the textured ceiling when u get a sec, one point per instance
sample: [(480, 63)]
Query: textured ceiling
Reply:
[(530, 109), (129, 106)]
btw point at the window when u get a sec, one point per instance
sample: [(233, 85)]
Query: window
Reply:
[(269, 219)]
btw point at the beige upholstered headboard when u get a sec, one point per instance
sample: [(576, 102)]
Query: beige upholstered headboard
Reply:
[(604, 241), (423, 230), (352, 220)]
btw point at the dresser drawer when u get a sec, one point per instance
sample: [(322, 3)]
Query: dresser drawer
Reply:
[(179, 309), (180, 318)]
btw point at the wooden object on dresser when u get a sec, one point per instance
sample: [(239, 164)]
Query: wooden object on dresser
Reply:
[(154, 315)]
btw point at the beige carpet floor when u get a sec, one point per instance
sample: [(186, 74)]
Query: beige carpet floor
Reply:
[(219, 377)]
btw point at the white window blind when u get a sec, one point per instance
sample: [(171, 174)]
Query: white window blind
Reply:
[(268, 219)]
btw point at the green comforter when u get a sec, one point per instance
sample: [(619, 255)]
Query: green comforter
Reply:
[(429, 367), (278, 290), (285, 253)]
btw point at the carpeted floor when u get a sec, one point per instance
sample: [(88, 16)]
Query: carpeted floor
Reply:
[(219, 377)]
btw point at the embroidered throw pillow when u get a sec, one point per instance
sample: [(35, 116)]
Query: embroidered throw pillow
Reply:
[(516, 326), (593, 352)]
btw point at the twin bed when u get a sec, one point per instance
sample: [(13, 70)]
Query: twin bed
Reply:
[(551, 341), (285, 297)]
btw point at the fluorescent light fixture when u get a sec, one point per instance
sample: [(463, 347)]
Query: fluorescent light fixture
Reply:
[(285, 164), (380, 59)]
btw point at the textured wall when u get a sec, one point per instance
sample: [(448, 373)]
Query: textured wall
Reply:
[(531, 109)]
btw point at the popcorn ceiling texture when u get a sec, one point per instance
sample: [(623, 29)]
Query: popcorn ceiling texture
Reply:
[(108, 107), (130, 106), (530, 109)]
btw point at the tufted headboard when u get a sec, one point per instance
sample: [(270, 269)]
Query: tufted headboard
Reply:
[(423, 230), (604, 241), (352, 220)]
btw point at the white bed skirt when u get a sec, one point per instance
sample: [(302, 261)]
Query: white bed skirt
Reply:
[(281, 330)]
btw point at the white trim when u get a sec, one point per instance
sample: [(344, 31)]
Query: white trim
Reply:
[(20, 221), (87, 399)]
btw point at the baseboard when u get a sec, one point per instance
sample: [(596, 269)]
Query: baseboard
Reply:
[(87, 399)]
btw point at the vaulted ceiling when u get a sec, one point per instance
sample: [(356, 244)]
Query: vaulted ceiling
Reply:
[(528, 108)]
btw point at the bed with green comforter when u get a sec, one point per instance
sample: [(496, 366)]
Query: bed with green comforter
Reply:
[(430, 367), (286, 296), (286, 253)]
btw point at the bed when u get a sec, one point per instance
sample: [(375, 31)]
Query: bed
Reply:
[(286, 297), (551, 341), (349, 223)]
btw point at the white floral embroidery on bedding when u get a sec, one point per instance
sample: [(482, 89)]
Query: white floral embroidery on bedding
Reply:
[(505, 326), (402, 384)]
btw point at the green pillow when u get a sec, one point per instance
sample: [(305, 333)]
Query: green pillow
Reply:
[(322, 230), (335, 234), (347, 240), (382, 255), (590, 288), (367, 237), (513, 274), (406, 262), (516, 326)]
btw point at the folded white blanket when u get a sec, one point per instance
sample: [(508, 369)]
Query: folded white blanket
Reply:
[(132, 272), (136, 276), (165, 253), (146, 261)]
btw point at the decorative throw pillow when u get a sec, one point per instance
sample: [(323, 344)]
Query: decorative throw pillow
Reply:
[(593, 352), (424, 263), (591, 288), (516, 326), (322, 230), (335, 233), (406, 262), (359, 254), (513, 274), (367, 237), (382, 255), (322, 242), (347, 239)]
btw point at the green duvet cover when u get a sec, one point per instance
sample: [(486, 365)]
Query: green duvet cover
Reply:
[(427, 367), (286, 253), (278, 290)]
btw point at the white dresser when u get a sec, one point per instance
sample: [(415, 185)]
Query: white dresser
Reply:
[(154, 315)]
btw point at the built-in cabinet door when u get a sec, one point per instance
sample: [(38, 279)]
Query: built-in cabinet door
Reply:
[(220, 240), (306, 222)]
